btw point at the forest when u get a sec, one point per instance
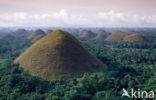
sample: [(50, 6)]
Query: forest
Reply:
[(129, 65)]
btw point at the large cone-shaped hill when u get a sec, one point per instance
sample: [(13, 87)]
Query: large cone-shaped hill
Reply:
[(36, 35), (119, 36), (58, 56)]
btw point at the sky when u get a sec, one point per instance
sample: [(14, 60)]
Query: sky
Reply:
[(78, 13)]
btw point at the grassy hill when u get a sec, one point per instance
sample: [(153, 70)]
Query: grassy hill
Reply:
[(36, 35)]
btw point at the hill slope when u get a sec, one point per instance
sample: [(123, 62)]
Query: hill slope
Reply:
[(57, 56)]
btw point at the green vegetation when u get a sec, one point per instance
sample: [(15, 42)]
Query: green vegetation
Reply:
[(129, 65)]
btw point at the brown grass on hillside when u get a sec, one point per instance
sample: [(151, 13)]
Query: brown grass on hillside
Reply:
[(57, 56)]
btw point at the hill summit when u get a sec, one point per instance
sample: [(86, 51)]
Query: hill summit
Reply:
[(57, 56), (36, 35), (120, 36)]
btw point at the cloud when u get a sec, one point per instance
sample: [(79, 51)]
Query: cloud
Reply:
[(127, 20), (67, 19), (111, 15)]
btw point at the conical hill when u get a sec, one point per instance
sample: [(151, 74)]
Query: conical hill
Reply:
[(57, 56), (116, 36)]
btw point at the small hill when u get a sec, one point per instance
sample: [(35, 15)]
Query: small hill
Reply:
[(87, 34), (100, 37), (135, 38), (57, 56), (36, 35), (119, 36), (116, 36)]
